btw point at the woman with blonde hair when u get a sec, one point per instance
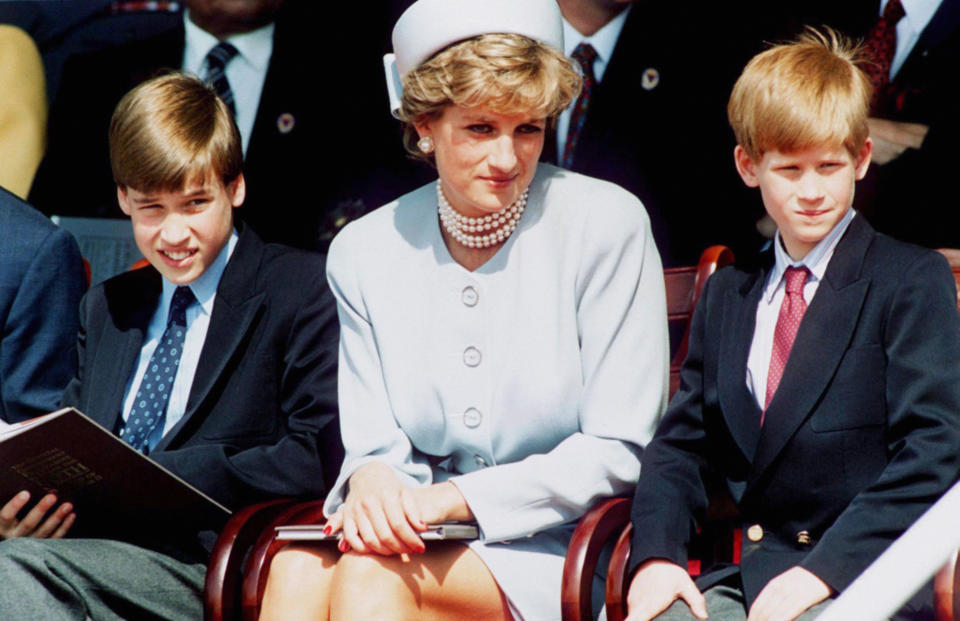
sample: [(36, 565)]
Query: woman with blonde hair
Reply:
[(503, 352)]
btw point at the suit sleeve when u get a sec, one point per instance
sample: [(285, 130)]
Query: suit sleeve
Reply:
[(300, 461), (624, 354), (921, 342), (670, 494), (370, 431), (37, 356)]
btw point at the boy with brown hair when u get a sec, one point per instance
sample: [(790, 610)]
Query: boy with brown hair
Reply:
[(218, 361), (823, 389)]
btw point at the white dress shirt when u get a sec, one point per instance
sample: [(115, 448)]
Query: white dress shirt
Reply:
[(246, 72), (768, 310), (204, 289), (603, 41), (918, 14)]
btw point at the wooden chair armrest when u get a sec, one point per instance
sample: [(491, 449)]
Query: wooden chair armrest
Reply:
[(616, 593), (595, 529), (712, 259), (221, 594), (257, 567), (946, 591)]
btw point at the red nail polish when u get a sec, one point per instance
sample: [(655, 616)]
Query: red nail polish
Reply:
[(327, 530), (342, 545)]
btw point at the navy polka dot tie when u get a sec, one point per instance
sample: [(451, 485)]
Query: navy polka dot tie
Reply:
[(149, 409), (217, 59)]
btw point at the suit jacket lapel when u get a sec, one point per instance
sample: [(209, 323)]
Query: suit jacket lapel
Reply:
[(823, 338), (123, 337), (736, 402), (234, 312), (943, 24)]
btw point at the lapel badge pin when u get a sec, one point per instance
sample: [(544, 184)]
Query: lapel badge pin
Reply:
[(649, 79), (285, 123)]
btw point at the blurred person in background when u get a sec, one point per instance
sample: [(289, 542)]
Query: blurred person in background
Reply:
[(23, 109)]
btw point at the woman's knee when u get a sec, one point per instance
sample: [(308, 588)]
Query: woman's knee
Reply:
[(373, 586), (301, 567), (423, 586)]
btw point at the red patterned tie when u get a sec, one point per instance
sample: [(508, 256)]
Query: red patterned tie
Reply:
[(881, 45), (791, 312), (585, 55)]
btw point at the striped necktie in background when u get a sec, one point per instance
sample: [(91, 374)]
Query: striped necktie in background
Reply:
[(217, 59), (585, 55)]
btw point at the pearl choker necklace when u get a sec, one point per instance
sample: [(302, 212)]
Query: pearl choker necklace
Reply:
[(461, 228)]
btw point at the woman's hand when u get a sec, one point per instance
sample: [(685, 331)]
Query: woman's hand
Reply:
[(383, 516), (36, 523)]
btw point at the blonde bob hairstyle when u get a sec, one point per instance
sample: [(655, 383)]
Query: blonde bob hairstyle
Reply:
[(170, 131), (801, 94), (509, 73)]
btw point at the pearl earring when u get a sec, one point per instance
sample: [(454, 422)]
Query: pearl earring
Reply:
[(426, 145)]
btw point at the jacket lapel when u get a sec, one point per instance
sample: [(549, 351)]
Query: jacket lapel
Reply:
[(736, 402), (926, 54), (943, 23), (235, 309), (823, 338), (123, 337)]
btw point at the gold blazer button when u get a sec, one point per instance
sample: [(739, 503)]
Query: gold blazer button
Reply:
[(755, 533)]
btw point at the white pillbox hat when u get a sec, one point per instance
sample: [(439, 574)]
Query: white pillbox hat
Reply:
[(429, 26)]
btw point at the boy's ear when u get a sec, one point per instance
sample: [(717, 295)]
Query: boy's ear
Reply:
[(238, 190), (123, 200), (746, 167), (863, 158)]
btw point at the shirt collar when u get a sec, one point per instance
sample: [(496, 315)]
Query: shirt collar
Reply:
[(603, 40), (816, 260), (255, 47), (204, 288), (917, 12)]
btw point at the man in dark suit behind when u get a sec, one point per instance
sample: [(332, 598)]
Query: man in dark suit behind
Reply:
[(663, 70), (248, 334), (319, 145), (41, 281)]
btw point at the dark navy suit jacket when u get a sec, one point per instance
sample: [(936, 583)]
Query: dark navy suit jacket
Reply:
[(862, 435), (41, 282), (261, 418)]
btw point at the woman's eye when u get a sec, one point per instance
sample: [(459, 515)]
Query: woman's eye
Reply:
[(480, 128), (529, 128)]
